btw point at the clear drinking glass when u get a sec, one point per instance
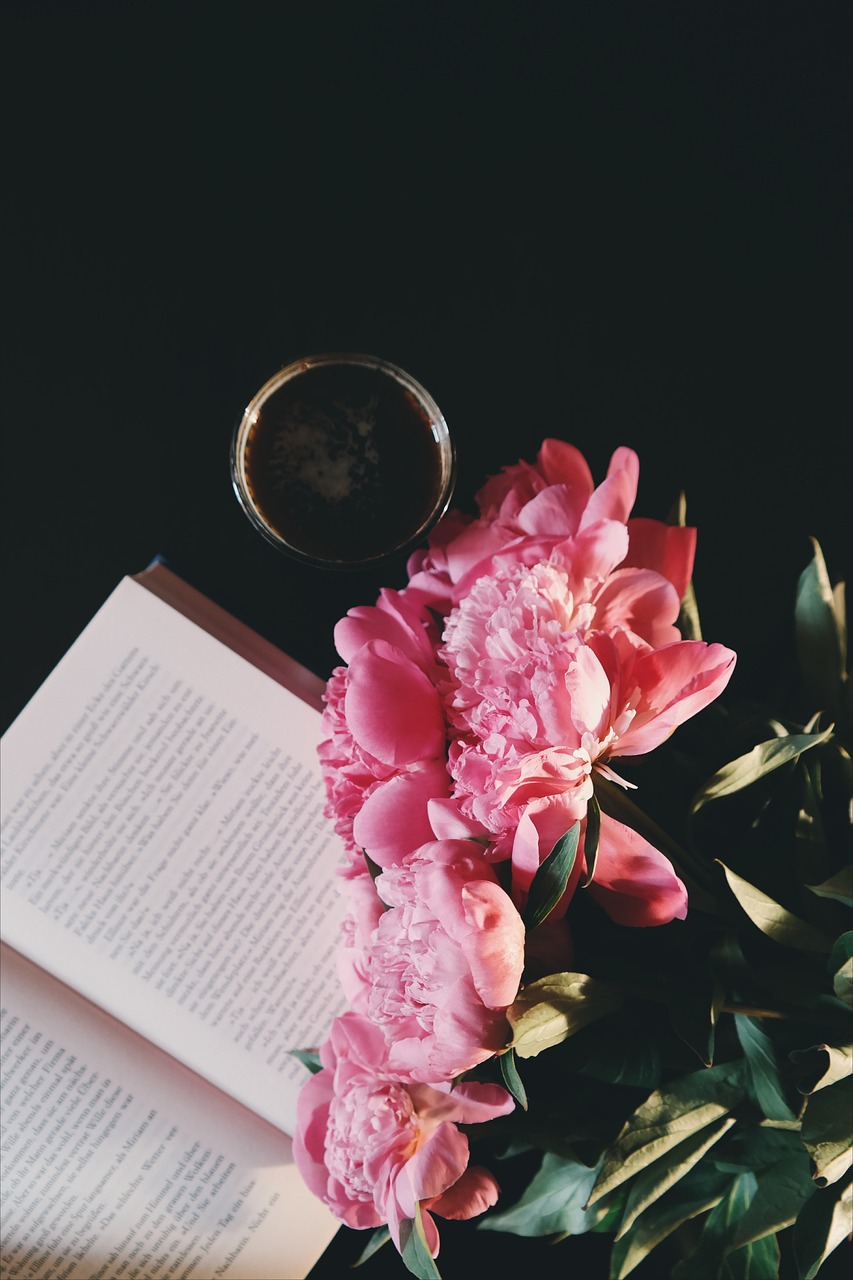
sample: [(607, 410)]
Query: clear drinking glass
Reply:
[(343, 461)]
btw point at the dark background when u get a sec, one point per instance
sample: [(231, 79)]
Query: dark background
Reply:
[(614, 223)]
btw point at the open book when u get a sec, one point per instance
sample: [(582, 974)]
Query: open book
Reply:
[(169, 916)]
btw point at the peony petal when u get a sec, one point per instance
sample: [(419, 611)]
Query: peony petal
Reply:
[(563, 463), (634, 883), (525, 857), (472, 1194), (354, 1038), (464, 1033), (674, 684), (391, 708), (309, 1141), (554, 513), (641, 601), (625, 462), (449, 823), (394, 619), (394, 821), (589, 692), (475, 1103), (503, 495), (669, 549), (595, 552), (430, 1232), (497, 959), (615, 496), (473, 545), (438, 1163)]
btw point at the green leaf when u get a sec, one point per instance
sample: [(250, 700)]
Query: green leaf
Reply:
[(309, 1058), (809, 831), (763, 1068), (839, 887), (827, 1130), (706, 1260), (553, 1202), (549, 883), (667, 1117), (688, 621), (824, 1222), (551, 1009), (757, 763), (699, 1191), (415, 1250), (591, 840), (782, 1191), (378, 1238), (511, 1078), (693, 1010), (841, 968), (773, 919), (670, 1168), (820, 633), (611, 1211), (754, 1148), (624, 1056), (756, 1261), (822, 1065)]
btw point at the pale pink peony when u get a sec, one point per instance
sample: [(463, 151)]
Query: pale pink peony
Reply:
[(441, 965), (373, 1148)]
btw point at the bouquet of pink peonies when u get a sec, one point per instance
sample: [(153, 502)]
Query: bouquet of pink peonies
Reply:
[(609, 965)]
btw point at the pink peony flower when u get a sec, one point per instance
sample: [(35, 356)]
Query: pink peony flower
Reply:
[(373, 1148), (560, 654), (384, 754), (527, 510), (441, 965), (555, 671)]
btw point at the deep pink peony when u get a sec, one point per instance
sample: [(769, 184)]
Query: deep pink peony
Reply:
[(384, 755), (554, 672), (439, 968), (529, 509), (373, 1148), (559, 654)]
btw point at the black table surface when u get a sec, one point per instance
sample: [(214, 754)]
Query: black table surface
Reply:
[(612, 223)]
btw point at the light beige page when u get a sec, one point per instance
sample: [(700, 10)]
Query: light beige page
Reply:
[(120, 1163), (165, 851)]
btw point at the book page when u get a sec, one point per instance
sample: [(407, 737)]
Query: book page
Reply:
[(165, 850), (119, 1162)]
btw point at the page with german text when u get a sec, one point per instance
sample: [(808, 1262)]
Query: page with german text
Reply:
[(165, 850), (120, 1163)]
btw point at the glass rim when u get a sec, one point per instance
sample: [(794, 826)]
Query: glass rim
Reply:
[(243, 430)]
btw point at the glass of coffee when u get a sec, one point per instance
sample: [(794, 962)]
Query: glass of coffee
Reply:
[(343, 461)]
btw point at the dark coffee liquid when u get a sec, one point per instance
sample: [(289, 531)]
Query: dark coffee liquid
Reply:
[(343, 463)]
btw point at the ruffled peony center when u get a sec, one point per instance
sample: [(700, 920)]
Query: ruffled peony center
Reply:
[(402, 966), (366, 1123)]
